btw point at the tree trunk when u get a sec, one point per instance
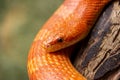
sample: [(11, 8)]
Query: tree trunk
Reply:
[(98, 55)]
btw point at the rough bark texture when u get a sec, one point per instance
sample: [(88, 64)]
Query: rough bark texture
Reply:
[(98, 55)]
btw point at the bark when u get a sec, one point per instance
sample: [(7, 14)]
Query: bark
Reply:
[(98, 55)]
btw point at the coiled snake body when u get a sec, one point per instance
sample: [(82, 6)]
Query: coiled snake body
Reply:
[(48, 58)]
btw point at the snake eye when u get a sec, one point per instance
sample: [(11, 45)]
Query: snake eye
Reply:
[(60, 39)]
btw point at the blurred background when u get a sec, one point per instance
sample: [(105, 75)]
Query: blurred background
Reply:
[(20, 20)]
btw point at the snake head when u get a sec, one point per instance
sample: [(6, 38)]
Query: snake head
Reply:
[(54, 43), (59, 39)]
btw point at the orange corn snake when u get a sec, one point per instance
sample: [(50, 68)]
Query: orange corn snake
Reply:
[(48, 57)]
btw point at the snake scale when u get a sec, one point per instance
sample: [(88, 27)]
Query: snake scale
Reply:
[(48, 57)]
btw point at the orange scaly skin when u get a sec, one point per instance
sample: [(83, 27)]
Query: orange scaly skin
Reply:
[(68, 25)]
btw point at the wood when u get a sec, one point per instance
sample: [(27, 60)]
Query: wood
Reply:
[(98, 55)]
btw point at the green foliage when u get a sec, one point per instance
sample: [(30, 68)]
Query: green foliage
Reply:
[(20, 20)]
